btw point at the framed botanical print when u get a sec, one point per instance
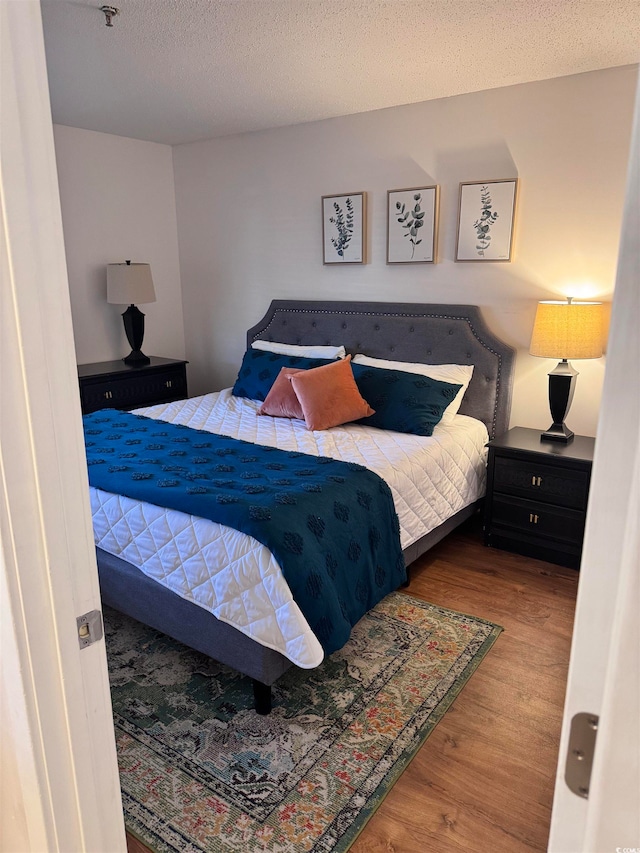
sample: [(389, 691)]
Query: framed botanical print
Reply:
[(343, 228), (486, 213), (412, 225)]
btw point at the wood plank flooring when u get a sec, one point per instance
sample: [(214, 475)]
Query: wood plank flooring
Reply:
[(484, 779)]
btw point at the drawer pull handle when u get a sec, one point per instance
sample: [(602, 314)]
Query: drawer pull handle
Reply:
[(168, 383), (536, 481), (533, 519), (108, 395)]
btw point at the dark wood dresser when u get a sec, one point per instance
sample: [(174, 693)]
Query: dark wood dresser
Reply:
[(537, 494), (116, 385)]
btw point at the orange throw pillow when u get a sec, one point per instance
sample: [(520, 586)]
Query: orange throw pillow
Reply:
[(329, 395), (281, 401)]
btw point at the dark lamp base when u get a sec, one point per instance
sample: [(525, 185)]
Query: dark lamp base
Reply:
[(557, 432), (136, 359), (562, 384), (133, 319)]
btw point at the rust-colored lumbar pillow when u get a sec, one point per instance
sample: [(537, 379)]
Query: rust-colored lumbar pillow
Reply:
[(329, 395), (281, 401)]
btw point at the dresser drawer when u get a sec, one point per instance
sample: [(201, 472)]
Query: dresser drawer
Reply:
[(537, 519), (554, 484)]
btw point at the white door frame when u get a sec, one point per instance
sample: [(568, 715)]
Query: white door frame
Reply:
[(60, 788), (604, 672)]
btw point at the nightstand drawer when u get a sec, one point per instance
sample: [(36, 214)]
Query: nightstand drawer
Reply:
[(537, 519), (135, 391), (529, 479), (537, 495), (112, 385), (147, 389)]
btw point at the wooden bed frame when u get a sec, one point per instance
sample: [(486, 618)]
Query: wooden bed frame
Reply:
[(429, 334)]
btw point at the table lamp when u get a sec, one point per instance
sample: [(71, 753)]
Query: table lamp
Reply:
[(128, 284), (565, 330)]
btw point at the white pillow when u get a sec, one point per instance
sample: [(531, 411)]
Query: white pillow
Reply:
[(457, 374), (293, 349)]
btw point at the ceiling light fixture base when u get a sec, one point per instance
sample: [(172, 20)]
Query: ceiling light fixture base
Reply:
[(109, 13)]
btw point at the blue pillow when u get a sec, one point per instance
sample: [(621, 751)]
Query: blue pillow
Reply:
[(260, 369), (403, 402)]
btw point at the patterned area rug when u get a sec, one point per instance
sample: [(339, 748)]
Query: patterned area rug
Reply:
[(201, 771)]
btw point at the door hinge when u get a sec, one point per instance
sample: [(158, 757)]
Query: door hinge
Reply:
[(89, 628), (582, 745)]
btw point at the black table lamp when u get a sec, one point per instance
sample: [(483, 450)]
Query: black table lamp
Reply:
[(128, 284), (565, 330)]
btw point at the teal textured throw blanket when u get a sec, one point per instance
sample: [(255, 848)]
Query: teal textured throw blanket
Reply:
[(331, 525)]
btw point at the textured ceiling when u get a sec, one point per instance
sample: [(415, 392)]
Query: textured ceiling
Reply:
[(177, 71)]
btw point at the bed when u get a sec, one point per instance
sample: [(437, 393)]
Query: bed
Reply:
[(429, 334)]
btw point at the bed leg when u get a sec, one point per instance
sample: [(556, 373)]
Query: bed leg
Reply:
[(408, 580), (262, 697)]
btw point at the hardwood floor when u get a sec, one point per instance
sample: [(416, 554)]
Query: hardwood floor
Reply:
[(484, 779)]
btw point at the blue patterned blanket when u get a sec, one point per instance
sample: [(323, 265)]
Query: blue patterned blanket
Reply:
[(332, 526)]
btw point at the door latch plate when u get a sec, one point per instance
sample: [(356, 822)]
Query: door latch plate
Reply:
[(89, 628), (582, 744)]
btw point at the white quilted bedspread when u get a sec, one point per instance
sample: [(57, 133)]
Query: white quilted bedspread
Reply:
[(236, 578)]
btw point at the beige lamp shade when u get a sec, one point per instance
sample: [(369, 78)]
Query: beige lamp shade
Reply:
[(567, 330), (129, 284)]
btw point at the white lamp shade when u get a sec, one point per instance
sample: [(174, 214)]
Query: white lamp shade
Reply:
[(567, 330), (129, 284)]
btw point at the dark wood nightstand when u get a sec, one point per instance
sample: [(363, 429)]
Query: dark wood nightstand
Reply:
[(537, 495), (116, 385)]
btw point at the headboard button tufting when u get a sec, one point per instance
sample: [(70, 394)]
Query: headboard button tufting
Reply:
[(344, 325)]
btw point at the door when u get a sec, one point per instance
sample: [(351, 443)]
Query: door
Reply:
[(58, 769), (604, 673)]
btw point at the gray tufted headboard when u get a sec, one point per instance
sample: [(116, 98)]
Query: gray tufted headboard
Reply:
[(430, 334)]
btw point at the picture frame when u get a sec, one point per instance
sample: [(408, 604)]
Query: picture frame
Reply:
[(486, 214), (412, 225), (344, 219)]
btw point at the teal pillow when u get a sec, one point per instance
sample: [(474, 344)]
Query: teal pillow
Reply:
[(260, 369), (403, 402)]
